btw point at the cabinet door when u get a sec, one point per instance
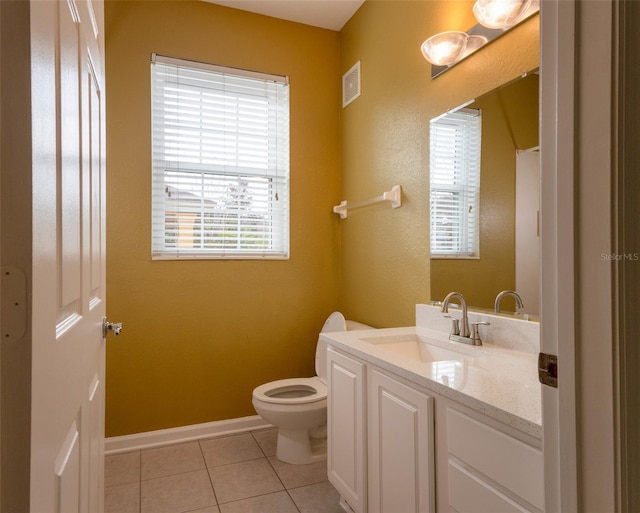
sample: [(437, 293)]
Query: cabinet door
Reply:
[(488, 467), (346, 428), (401, 452)]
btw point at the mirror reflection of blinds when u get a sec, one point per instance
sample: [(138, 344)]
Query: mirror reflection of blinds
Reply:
[(220, 145), (455, 141)]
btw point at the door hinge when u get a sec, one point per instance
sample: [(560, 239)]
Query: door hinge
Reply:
[(13, 304), (548, 369)]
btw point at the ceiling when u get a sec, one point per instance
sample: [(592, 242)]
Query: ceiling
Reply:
[(329, 14)]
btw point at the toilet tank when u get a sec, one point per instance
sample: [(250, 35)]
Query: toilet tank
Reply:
[(335, 322)]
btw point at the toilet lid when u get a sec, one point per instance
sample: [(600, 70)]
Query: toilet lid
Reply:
[(335, 322)]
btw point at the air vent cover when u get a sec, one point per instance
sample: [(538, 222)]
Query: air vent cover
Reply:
[(351, 85)]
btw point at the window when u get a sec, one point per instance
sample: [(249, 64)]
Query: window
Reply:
[(455, 184), (220, 145)]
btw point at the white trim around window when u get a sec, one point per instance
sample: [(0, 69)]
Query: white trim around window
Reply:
[(454, 176), (220, 172)]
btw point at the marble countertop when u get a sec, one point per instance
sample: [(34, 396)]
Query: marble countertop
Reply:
[(500, 382)]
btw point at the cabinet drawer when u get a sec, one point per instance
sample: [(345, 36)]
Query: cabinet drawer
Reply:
[(468, 494), (512, 464)]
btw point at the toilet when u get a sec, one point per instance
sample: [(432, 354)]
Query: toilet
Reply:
[(298, 406)]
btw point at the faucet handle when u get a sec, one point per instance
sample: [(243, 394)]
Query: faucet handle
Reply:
[(455, 325), (475, 336)]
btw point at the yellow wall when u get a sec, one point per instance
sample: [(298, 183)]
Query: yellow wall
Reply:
[(509, 122), (385, 138), (200, 335)]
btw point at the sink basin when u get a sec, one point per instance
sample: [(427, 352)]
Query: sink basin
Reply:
[(416, 348)]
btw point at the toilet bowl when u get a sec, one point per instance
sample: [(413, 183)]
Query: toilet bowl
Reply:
[(298, 406)]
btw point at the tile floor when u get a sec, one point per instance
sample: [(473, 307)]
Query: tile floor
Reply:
[(230, 474)]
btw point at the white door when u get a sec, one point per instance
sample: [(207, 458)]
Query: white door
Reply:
[(557, 336), (578, 92), (68, 289)]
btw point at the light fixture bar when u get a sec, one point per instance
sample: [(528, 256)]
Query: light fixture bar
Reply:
[(481, 32)]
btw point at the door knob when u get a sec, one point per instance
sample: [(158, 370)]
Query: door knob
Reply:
[(114, 327)]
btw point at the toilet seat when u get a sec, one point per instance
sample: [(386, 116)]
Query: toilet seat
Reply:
[(292, 391)]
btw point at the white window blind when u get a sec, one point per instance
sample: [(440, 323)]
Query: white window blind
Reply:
[(455, 184), (220, 144)]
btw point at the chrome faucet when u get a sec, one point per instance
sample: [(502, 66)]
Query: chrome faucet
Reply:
[(460, 327), (464, 322), (516, 296)]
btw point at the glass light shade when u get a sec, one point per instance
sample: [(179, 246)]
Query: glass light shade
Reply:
[(445, 48), (473, 43), (499, 14)]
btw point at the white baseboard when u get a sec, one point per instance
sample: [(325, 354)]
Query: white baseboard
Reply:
[(149, 439)]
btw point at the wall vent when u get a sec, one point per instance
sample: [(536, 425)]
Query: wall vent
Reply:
[(351, 85)]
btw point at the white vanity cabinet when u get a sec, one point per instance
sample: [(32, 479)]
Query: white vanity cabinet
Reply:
[(346, 428), (396, 446)]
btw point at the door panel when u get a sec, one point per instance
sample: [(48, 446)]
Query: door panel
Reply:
[(94, 474), (67, 436), (67, 473), (68, 150), (94, 161)]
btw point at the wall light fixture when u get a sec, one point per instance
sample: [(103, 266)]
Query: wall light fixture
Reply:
[(494, 17)]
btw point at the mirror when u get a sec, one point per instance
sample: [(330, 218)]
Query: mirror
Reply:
[(509, 197)]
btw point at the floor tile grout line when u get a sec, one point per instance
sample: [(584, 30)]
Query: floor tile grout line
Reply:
[(237, 462), (206, 467), (260, 495), (174, 474), (282, 483), (276, 472), (295, 504), (258, 443), (139, 481)]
